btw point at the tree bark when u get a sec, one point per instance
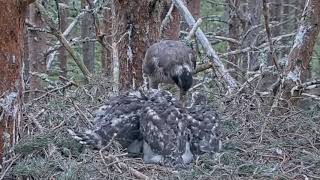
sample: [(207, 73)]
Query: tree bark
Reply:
[(301, 52), (139, 28), (172, 28), (194, 8), (62, 53), (250, 60), (299, 4), (106, 55), (275, 15), (88, 32), (37, 49), (26, 55), (234, 30), (12, 17)]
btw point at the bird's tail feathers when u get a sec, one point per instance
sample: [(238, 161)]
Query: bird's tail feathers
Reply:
[(88, 137)]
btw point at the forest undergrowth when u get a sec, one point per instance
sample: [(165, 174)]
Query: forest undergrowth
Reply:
[(257, 144)]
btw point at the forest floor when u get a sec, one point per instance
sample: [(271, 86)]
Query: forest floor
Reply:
[(256, 144)]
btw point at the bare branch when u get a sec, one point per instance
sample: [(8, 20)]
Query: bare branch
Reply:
[(193, 30), (166, 20), (266, 23), (63, 40), (203, 67), (212, 55)]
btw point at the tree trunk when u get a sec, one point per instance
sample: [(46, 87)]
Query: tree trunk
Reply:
[(106, 55), (234, 30), (194, 8), (250, 61), (138, 28), (62, 53), (87, 34), (172, 29), (26, 55), (286, 14), (301, 52), (12, 17), (299, 4), (37, 49), (275, 15)]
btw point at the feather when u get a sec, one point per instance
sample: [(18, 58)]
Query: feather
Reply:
[(155, 122)]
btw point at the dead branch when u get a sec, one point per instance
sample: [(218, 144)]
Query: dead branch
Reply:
[(35, 121), (268, 31), (63, 40), (305, 86), (311, 96), (203, 67), (212, 55), (115, 160), (14, 159), (134, 171), (227, 39), (53, 50), (194, 29), (166, 20), (51, 91), (248, 82)]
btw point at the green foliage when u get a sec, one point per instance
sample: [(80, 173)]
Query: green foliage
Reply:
[(38, 168), (34, 144)]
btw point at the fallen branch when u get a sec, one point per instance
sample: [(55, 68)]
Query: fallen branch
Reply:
[(211, 54)]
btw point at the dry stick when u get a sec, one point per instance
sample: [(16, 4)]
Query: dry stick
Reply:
[(63, 40), (203, 67), (9, 166), (273, 56), (307, 85), (211, 54), (121, 164), (37, 123), (166, 20), (266, 23), (248, 82), (51, 91), (134, 171), (227, 39), (194, 29), (65, 34)]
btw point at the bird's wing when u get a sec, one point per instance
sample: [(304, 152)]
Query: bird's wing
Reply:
[(204, 127), (117, 120), (162, 127)]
